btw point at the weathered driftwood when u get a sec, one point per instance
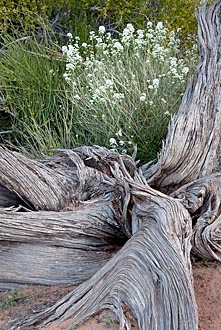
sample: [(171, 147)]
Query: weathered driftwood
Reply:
[(91, 214), (192, 148), (40, 187), (202, 198), (150, 275), (56, 247), (119, 207)]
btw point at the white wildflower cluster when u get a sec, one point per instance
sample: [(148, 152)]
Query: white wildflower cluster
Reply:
[(155, 43), (113, 81), (177, 69), (101, 29), (119, 143), (143, 97), (73, 57), (128, 34), (154, 84)]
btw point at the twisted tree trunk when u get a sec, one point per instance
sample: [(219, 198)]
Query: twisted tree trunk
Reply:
[(90, 216)]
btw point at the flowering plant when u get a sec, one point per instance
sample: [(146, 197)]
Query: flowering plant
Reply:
[(125, 90)]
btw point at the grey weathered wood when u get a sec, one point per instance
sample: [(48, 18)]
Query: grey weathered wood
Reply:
[(202, 198), (56, 247), (192, 148), (120, 206), (36, 184), (151, 274)]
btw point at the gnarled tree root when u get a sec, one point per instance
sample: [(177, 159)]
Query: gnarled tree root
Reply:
[(202, 198), (150, 275)]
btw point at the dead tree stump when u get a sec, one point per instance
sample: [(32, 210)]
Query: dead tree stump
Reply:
[(90, 216)]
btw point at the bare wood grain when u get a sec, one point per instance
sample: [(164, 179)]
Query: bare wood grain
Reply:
[(192, 146), (150, 275), (202, 198), (37, 185), (57, 247)]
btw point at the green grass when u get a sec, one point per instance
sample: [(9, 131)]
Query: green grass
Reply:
[(114, 93), (34, 95)]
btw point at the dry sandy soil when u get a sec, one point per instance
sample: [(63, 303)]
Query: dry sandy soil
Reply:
[(207, 282)]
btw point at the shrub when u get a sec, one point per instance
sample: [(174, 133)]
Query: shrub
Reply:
[(113, 92), (115, 14), (20, 18), (17, 17), (80, 16), (124, 91), (179, 13), (33, 96)]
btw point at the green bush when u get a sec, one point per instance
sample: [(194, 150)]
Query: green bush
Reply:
[(180, 13), (115, 14), (31, 86), (113, 92), (20, 18), (124, 91), (81, 16), (116, 92)]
